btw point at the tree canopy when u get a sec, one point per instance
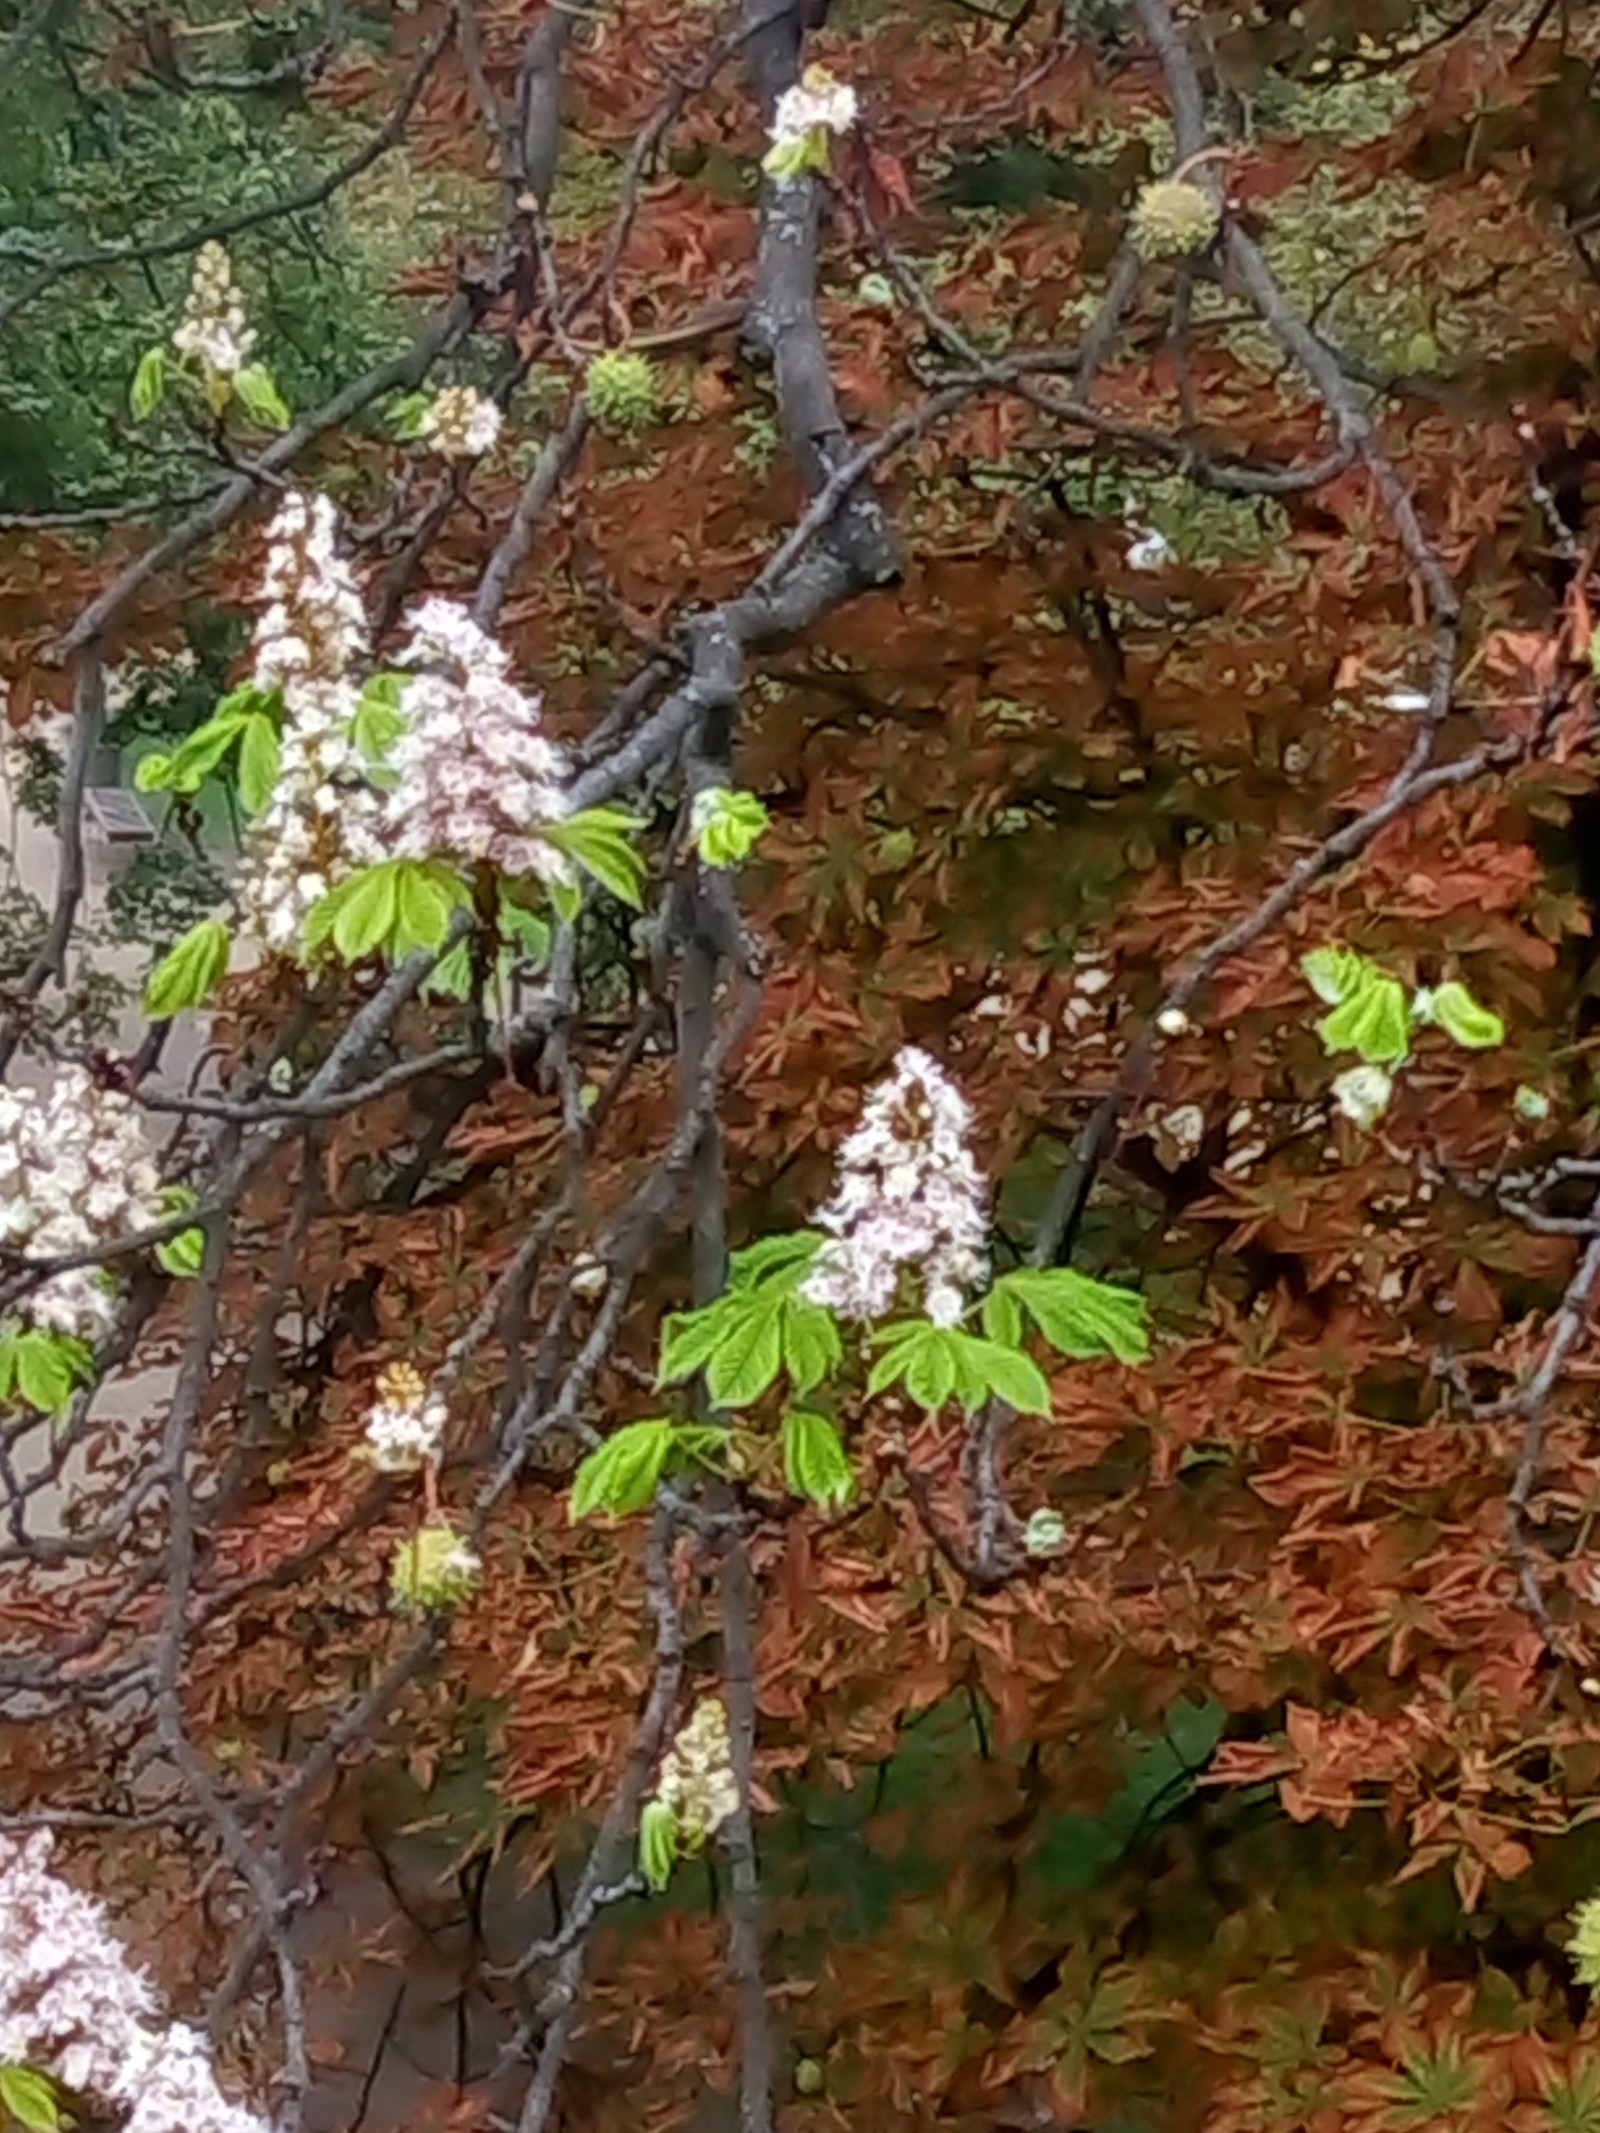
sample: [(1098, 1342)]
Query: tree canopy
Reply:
[(797, 1296)]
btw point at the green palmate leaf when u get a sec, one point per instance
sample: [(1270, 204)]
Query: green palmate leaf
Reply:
[(29, 2098), (749, 1354), (934, 1362), (658, 1843), (1007, 1374), (260, 398), (815, 1462), (260, 753), (1078, 1316), (526, 934), (1333, 973), (688, 1339), (725, 825), (1002, 1317), (193, 760), (786, 1259), (919, 1355), (406, 415), (379, 721), (798, 153), (620, 1475), (149, 386), (183, 1255), (451, 977), (810, 1340), (424, 905), (597, 841), (42, 1366), (392, 907), (566, 899), (369, 910), (189, 972), (1372, 1019), (1460, 1016)]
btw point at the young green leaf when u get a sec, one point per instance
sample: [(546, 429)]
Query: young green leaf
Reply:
[(48, 1365), (658, 1843), (787, 1257), (526, 934), (1372, 1020), (1334, 972), (149, 383), (620, 1475), (378, 722), (1460, 1016), (1006, 1373), (368, 911), (811, 1344), (688, 1339), (1002, 1317), (260, 398), (918, 1354), (423, 907), (189, 972), (183, 1256), (29, 2098), (815, 1462), (750, 1353), (153, 772), (725, 824), (199, 753), (1078, 1316), (260, 753), (567, 899), (597, 841)]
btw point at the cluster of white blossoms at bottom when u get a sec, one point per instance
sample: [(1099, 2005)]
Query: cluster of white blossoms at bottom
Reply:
[(405, 1423), (72, 2005), (74, 1170), (213, 328), (697, 1781), (908, 1195), (311, 631), (460, 423), (474, 774)]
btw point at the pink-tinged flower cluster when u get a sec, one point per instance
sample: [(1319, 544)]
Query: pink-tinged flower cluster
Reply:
[(460, 423), (474, 776), (311, 632), (72, 2005), (74, 1171), (213, 329), (908, 1196)]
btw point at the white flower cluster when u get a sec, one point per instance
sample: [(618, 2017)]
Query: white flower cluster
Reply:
[(212, 329), (815, 100), (697, 1780), (475, 776), (73, 2005), (460, 422), (311, 630), (405, 1423), (74, 1169), (908, 1195)]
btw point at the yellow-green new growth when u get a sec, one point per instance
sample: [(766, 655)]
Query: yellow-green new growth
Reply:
[(1584, 1946), (621, 391), (436, 1569), (1173, 219)]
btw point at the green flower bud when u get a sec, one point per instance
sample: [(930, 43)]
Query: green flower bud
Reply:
[(1173, 220), (621, 390), (435, 1569)]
